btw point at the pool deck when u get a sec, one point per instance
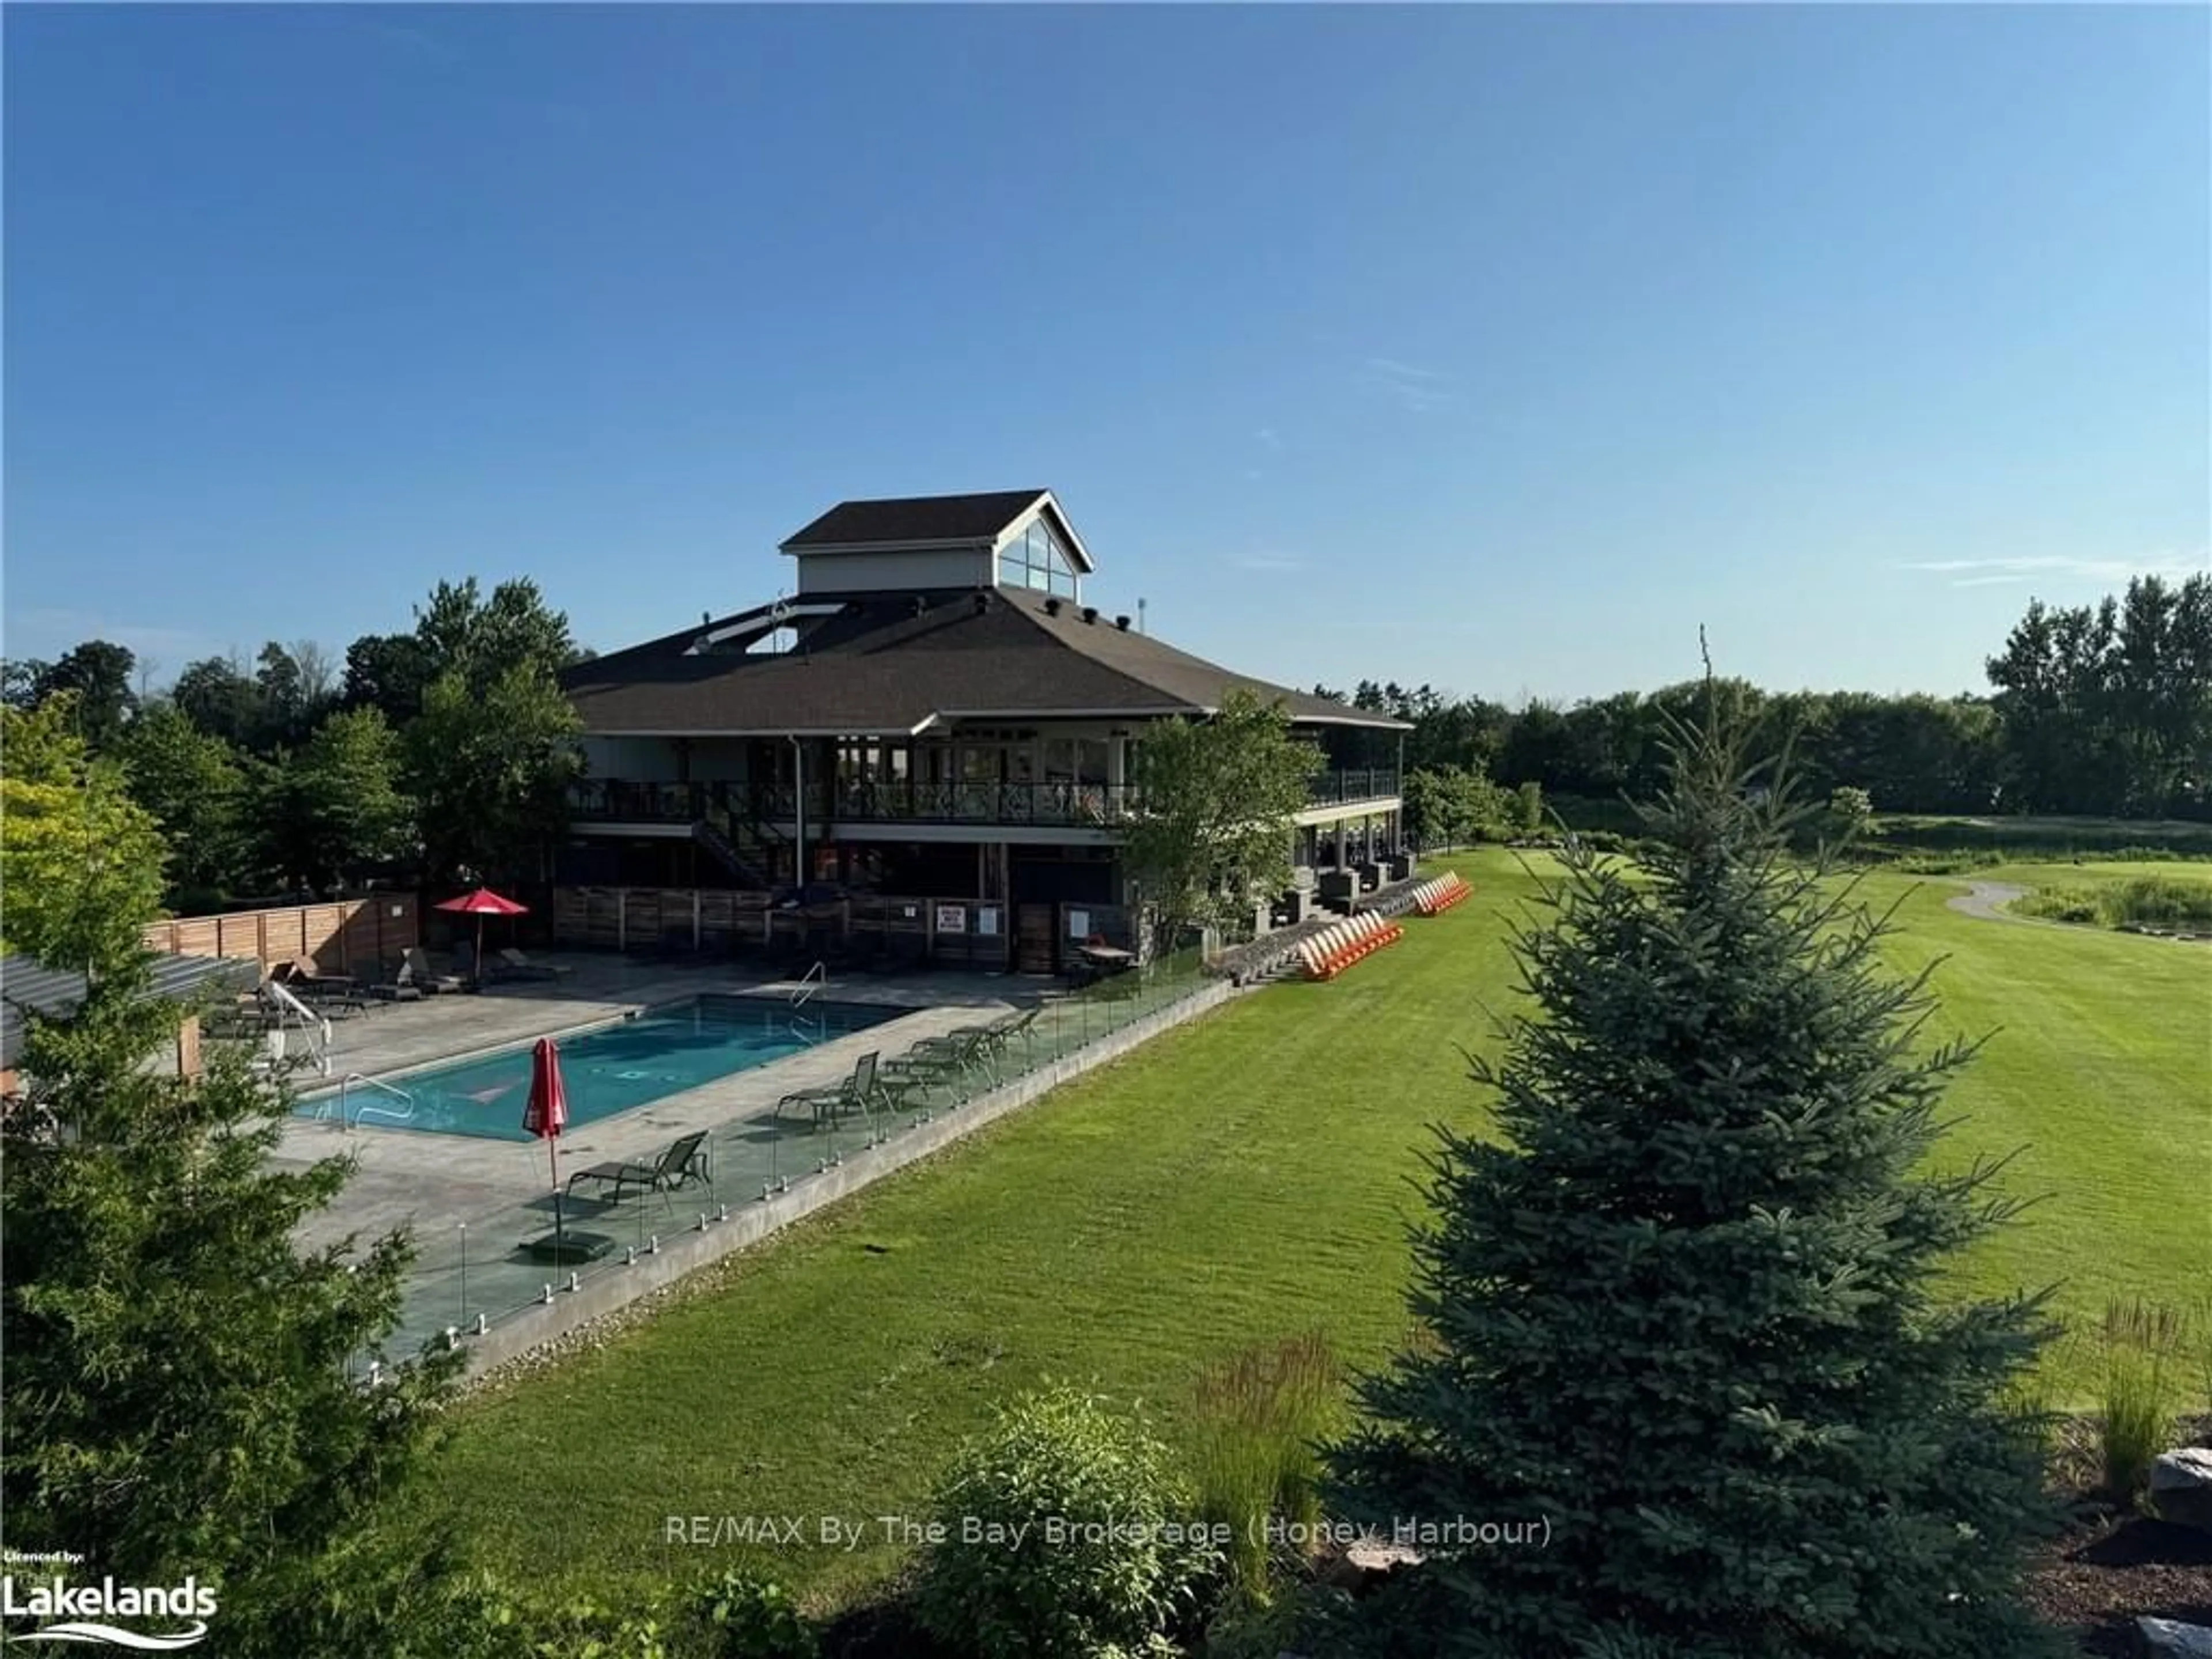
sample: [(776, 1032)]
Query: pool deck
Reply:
[(441, 1182)]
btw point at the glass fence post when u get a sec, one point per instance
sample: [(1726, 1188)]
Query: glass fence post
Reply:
[(465, 1273)]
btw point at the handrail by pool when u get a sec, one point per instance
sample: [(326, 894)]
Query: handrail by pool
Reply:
[(813, 980), (396, 1113)]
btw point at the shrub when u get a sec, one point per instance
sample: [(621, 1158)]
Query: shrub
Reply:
[(2074, 904), (2135, 1420), (750, 1617), (1259, 1418), (2159, 901), (1002, 1586), (1251, 1628), (1849, 805), (2142, 901), (1529, 800)]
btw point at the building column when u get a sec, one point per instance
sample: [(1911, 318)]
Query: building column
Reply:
[(1339, 843)]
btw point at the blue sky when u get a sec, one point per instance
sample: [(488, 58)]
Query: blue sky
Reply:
[(1492, 348)]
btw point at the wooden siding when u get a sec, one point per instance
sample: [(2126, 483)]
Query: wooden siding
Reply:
[(360, 937)]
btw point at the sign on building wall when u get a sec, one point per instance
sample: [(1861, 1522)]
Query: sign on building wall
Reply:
[(951, 918), (987, 919)]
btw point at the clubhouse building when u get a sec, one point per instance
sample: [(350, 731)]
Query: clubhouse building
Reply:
[(937, 708)]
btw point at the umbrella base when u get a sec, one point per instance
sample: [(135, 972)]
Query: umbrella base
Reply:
[(565, 1248)]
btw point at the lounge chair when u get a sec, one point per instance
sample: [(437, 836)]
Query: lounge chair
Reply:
[(428, 979), (513, 964), (684, 1162), (996, 1033), (401, 987), (856, 1093), (933, 1061), (325, 992)]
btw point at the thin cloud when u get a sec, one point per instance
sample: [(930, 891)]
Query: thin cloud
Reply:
[(1411, 387), (1269, 437), (419, 42), (1398, 371), (1253, 473), (1989, 572), (1269, 562), (46, 632)]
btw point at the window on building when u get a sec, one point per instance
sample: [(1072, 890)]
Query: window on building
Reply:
[(1036, 559)]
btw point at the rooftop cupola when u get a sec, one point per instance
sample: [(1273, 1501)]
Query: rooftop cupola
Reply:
[(1017, 538)]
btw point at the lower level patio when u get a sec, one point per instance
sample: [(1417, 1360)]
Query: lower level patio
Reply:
[(478, 1205)]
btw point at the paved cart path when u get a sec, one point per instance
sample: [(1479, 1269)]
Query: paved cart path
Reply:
[(1983, 898)]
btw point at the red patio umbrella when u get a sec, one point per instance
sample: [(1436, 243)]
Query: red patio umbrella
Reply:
[(481, 903), (545, 1116)]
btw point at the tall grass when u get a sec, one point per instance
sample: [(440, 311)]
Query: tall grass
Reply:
[(2139, 902), (2142, 1343), (1257, 1422), (2200, 1348)]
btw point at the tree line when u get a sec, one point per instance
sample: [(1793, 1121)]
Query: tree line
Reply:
[(441, 754), (2103, 709)]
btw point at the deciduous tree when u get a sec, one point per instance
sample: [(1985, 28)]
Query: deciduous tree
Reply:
[(490, 766), (1218, 800), (338, 803), (193, 784), (178, 1398), (220, 697), (80, 861), (98, 671)]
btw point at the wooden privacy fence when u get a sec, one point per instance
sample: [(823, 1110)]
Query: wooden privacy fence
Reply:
[(953, 932), (347, 936)]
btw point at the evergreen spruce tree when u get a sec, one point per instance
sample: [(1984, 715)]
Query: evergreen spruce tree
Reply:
[(1688, 1311), (177, 1395)]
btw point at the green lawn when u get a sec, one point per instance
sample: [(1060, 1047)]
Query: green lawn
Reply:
[(1245, 1177)]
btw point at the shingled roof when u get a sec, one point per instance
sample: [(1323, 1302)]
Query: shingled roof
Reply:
[(916, 520), (887, 664)]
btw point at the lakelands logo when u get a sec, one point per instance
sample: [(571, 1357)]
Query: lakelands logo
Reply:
[(81, 1612)]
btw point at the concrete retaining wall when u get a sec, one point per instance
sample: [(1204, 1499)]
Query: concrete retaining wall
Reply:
[(687, 1251)]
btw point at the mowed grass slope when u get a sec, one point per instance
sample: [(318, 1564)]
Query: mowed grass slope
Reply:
[(1249, 1176), (2097, 1071)]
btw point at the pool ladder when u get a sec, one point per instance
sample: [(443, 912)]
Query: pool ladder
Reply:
[(813, 980), (400, 1114)]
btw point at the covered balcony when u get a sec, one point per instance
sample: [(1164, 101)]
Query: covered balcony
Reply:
[(1341, 785), (618, 800)]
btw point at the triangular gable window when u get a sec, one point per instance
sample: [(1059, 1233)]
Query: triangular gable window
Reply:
[(1038, 559)]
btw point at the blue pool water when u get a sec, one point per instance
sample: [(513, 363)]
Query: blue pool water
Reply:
[(662, 1052)]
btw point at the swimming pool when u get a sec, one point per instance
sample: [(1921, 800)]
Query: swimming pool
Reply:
[(611, 1069)]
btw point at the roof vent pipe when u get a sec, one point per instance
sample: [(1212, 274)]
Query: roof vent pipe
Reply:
[(1090, 613), (1052, 607), (1121, 622), (982, 603)]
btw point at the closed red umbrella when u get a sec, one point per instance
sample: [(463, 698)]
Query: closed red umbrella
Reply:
[(481, 903), (545, 1116)]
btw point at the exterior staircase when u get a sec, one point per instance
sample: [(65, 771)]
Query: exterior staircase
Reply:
[(746, 868)]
